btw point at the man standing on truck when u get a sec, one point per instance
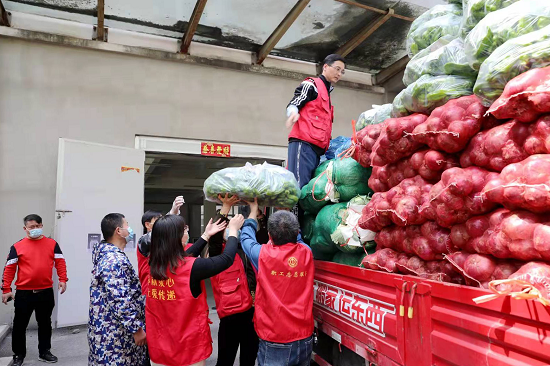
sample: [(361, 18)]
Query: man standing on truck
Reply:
[(283, 316), (310, 115)]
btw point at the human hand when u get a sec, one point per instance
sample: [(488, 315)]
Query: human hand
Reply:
[(253, 209), (6, 297), (235, 224), (140, 337), (227, 202), (63, 287), (214, 228), (178, 202), (292, 120)]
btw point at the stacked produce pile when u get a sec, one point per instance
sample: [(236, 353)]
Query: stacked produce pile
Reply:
[(462, 170), (333, 202)]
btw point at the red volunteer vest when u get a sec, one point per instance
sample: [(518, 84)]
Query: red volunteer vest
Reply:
[(178, 333), (231, 291), (284, 293), (315, 122), (143, 271)]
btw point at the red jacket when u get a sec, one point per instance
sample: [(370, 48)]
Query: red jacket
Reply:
[(284, 293), (34, 261), (231, 291), (315, 122), (178, 333)]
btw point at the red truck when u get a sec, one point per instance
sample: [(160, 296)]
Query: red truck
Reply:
[(365, 317)]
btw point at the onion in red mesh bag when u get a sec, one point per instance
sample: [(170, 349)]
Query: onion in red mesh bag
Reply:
[(451, 126), (522, 185), (400, 205), (384, 259), (429, 164), (428, 241), (503, 233), (525, 97), (480, 269), (457, 197), (395, 141), (366, 138)]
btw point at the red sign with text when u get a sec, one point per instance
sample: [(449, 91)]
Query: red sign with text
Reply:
[(219, 150)]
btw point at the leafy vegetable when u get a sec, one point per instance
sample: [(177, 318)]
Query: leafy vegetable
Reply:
[(429, 32), (373, 116), (476, 10)]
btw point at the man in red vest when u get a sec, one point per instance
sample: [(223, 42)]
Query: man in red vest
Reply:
[(283, 317), (310, 114)]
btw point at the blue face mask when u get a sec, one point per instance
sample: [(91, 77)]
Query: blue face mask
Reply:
[(130, 234), (35, 233)]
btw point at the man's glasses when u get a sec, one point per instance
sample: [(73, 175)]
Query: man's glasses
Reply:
[(340, 71)]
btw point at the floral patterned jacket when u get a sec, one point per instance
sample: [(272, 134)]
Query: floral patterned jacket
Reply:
[(117, 309)]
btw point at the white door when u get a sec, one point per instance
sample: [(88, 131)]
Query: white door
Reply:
[(92, 181)]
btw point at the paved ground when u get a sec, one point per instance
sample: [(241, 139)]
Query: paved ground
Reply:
[(70, 345)]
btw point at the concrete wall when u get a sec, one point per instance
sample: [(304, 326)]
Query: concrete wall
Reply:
[(49, 91)]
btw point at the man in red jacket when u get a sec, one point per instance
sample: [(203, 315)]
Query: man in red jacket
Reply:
[(283, 316), (310, 114), (34, 257)]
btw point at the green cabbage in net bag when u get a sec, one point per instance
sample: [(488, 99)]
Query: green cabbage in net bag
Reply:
[(326, 222), (353, 260), (521, 18), (373, 116), (273, 185), (513, 58), (430, 92), (447, 59), (476, 10), (429, 32), (334, 181), (307, 227), (435, 12)]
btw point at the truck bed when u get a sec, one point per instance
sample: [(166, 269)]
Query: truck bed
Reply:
[(376, 316)]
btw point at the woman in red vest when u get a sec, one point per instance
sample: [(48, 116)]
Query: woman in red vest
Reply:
[(176, 312)]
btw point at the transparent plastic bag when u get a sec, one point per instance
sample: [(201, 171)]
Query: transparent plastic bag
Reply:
[(448, 59), (348, 236), (432, 30), (436, 12), (373, 116), (430, 92), (513, 58), (500, 26), (273, 185), (476, 10)]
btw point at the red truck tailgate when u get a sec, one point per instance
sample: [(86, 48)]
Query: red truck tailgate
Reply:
[(361, 309)]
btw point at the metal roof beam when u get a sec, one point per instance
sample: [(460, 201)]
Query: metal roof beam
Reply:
[(376, 10), (280, 31), (192, 26), (4, 20), (392, 70), (363, 34)]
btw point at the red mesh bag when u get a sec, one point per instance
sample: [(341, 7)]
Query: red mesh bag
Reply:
[(457, 197), (366, 138)]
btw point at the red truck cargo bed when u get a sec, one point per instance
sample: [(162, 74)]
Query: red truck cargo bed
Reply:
[(361, 309)]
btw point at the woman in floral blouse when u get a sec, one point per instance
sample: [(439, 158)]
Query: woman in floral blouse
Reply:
[(117, 309)]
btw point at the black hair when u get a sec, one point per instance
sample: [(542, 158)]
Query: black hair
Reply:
[(110, 223), (32, 217), (149, 216), (166, 246), (283, 227), (331, 59)]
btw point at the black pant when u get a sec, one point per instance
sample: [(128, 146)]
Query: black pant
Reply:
[(235, 330), (42, 303)]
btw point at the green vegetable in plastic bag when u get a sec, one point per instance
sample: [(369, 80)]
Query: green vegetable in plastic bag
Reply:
[(435, 12), (513, 58), (447, 59), (476, 10), (521, 18), (353, 260), (430, 92), (373, 116), (334, 181), (429, 32), (273, 185)]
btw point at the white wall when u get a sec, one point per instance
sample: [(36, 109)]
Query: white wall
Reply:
[(49, 91)]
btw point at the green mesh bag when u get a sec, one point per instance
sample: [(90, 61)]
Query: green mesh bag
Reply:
[(335, 180), (307, 227), (348, 236), (349, 259), (326, 223)]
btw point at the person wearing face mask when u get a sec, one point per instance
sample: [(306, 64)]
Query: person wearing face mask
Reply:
[(33, 258), (234, 291), (116, 326), (176, 308)]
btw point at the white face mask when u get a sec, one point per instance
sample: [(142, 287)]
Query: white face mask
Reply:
[(35, 233)]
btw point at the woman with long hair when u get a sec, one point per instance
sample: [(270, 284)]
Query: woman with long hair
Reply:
[(176, 312)]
